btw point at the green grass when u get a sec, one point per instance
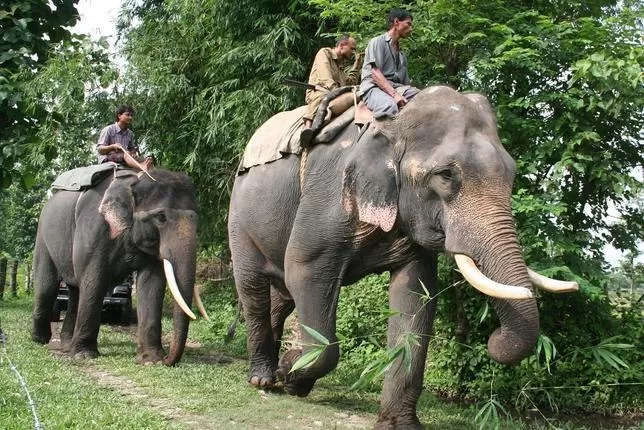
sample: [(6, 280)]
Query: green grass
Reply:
[(208, 389)]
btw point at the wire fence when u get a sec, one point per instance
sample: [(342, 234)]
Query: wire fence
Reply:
[(23, 384)]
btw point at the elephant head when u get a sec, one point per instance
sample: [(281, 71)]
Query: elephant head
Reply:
[(448, 186), (157, 219)]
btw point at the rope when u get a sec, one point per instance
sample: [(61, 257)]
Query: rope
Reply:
[(32, 404), (303, 159)]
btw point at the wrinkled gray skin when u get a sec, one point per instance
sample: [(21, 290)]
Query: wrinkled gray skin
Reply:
[(93, 239), (435, 178)]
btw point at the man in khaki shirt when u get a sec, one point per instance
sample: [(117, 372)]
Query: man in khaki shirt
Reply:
[(328, 72)]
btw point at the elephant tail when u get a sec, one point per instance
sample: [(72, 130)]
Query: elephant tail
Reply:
[(233, 326)]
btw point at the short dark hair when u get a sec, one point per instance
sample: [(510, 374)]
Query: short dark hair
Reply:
[(344, 37), (400, 14), (122, 109)]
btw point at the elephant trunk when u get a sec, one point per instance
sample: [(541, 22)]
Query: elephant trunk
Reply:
[(497, 254), (516, 337), (180, 256)]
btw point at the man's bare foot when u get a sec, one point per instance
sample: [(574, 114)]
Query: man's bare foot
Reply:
[(148, 163)]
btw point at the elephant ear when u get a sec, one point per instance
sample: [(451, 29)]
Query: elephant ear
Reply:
[(117, 206), (370, 181)]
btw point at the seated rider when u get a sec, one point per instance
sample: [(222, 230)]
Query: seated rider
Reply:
[(116, 142), (385, 68), (328, 72)]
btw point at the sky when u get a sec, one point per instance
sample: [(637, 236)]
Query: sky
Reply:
[(98, 18)]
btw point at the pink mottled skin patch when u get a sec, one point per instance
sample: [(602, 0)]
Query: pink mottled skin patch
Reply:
[(416, 171), (382, 216), (116, 223), (345, 143)]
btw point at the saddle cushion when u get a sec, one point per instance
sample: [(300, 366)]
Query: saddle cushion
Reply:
[(85, 177)]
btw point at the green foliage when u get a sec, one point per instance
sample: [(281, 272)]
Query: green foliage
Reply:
[(215, 78), (74, 88), (19, 208), (362, 316), (29, 28)]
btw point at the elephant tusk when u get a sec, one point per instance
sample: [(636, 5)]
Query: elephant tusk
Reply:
[(174, 289), (487, 286), (552, 285), (202, 309)]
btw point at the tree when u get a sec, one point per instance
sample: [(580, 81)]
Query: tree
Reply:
[(201, 93), (28, 29), (3, 274)]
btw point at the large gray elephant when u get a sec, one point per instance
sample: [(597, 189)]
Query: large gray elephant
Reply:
[(94, 238), (434, 178)]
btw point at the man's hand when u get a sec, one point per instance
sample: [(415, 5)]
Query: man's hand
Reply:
[(358, 60), (400, 100)]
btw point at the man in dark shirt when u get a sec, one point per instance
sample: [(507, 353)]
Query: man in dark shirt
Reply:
[(117, 139), (385, 85)]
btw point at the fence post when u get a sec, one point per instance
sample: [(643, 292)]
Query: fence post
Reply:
[(13, 280), (3, 275)]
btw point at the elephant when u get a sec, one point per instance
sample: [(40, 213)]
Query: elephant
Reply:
[(94, 238), (387, 197)]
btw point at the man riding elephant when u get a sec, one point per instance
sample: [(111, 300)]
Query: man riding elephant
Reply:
[(388, 197), (385, 87)]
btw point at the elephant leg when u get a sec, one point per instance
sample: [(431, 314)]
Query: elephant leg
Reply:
[(414, 318), (150, 289), (253, 290), (281, 307), (67, 331), (88, 318), (46, 281), (316, 300)]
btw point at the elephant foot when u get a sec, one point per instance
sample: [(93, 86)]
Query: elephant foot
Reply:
[(84, 354), (398, 423), (293, 383), (41, 332), (65, 345), (261, 377), (150, 357), (40, 338)]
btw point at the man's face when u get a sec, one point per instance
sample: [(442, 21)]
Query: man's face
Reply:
[(126, 118), (347, 48), (403, 27)]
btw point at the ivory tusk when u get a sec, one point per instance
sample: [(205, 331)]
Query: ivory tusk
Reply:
[(202, 309), (174, 289), (552, 285), (487, 286)]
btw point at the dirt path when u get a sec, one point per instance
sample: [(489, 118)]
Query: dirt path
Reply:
[(168, 409), (128, 388)]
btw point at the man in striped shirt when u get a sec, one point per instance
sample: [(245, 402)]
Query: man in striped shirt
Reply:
[(117, 138)]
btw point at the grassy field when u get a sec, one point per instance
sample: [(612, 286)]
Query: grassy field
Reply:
[(207, 390)]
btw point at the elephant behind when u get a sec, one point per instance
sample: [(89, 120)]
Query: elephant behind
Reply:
[(93, 238), (386, 198)]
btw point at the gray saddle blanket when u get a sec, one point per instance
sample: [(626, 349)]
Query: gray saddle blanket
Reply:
[(280, 135), (84, 177)]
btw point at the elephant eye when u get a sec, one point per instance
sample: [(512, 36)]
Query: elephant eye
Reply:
[(161, 218), (446, 174)]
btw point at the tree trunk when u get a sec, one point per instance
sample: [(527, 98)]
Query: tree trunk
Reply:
[(3, 275), (13, 281), (28, 279)]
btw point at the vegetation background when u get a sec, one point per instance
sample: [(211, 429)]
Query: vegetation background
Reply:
[(565, 78)]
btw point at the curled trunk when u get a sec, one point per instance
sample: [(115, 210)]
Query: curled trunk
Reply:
[(497, 254), (179, 248)]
